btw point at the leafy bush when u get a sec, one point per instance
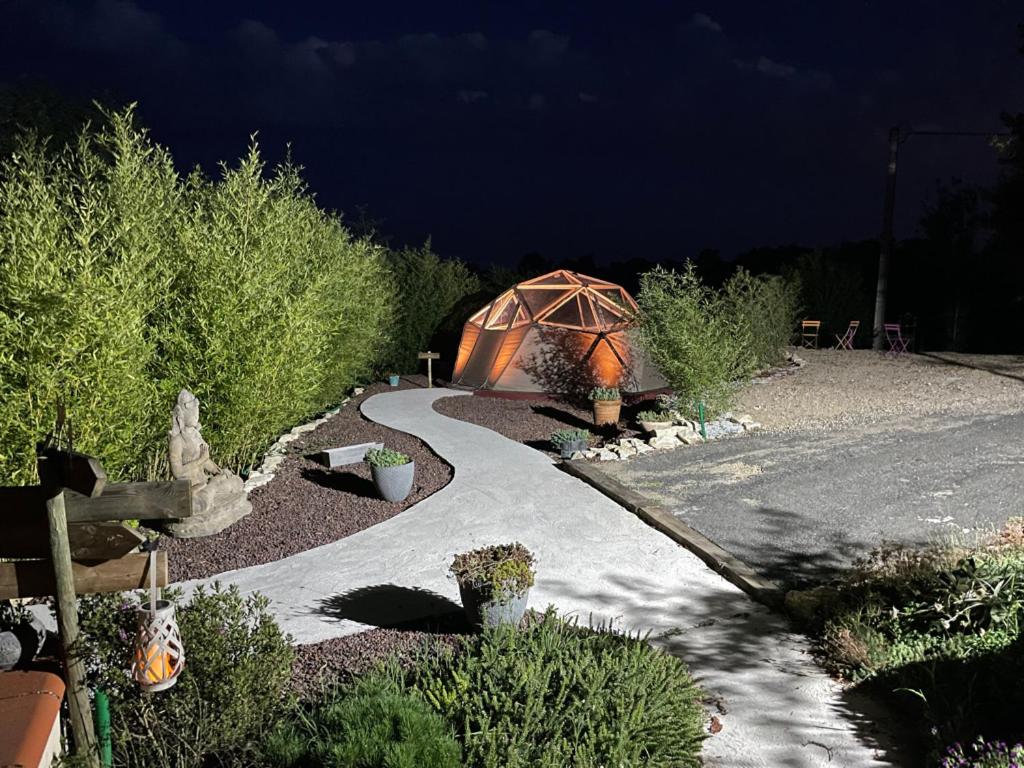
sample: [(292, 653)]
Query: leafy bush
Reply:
[(654, 416), (555, 695), (87, 253), (277, 309), (691, 336), (427, 288), (121, 283), (768, 306), (372, 724), (984, 754), (940, 631), (605, 393), (385, 457), (498, 571), (237, 664), (562, 437)]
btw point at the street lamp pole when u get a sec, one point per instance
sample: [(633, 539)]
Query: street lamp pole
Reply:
[(885, 244), (897, 137)]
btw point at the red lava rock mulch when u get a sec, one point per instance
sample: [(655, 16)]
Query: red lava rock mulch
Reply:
[(306, 504), (532, 421), (340, 659)]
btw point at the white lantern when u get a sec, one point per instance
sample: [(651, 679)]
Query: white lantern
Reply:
[(159, 654)]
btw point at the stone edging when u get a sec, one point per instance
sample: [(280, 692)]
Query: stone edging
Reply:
[(680, 432), (719, 560), (277, 452)]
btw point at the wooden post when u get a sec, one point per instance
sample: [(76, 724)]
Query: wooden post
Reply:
[(67, 621), (429, 357)]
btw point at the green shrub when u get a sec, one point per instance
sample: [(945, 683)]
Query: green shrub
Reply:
[(692, 337), (237, 664), (562, 437), (937, 630), (768, 307), (496, 571), (605, 393), (984, 754), (277, 310), (385, 457), (654, 416), (555, 695), (372, 724), (427, 288), (87, 252), (121, 283)]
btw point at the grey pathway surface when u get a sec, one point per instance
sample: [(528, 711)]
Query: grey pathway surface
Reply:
[(596, 561), (797, 506)]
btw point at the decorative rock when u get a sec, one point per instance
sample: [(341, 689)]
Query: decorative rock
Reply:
[(590, 453), (750, 426), (256, 480), (606, 455), (691, 438), (643, 448), (668, 432), (306, 428), (287, 438), (357, 391), (663, 443), (218, 495), (653, 426), (271, 463), (577, 455)]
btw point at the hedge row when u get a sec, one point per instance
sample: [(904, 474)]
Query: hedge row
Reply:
[(122, 281)]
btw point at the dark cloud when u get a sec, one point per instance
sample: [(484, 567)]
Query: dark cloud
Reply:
[(653, 130)]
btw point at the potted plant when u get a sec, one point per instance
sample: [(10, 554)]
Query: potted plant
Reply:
[(393, 379), (568, 441), (607, 403), (494, 583), (392, 473), (652, 420)]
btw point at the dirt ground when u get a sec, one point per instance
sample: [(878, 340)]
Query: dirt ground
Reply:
[(837, 389)]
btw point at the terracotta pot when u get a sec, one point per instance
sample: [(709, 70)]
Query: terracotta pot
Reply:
[(606, 411)]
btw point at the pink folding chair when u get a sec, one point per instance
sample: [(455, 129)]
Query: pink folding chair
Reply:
[(846, 340), (897, 344)]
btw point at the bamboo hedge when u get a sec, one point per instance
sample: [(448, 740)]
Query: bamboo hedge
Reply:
[(122, 281)]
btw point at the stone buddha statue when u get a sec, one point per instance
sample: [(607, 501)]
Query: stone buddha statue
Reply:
[(218, 495)]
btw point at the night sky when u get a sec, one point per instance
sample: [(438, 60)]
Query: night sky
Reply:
[(648, 129)]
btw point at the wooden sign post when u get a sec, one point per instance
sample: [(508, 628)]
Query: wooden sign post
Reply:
[(429, 357), (80, 546)]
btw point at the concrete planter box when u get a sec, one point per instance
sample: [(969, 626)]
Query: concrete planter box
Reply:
[(394, 483), (481, 612)]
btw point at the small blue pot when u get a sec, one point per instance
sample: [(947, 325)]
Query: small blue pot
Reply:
[(393, 380), (394, 483), (481, 612)]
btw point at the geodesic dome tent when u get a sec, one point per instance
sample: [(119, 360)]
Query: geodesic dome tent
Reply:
[(541, 333)]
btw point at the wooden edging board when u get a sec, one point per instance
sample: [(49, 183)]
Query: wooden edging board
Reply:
[(719, 560)]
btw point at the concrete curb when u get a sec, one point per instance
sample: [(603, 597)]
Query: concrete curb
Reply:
[(719, 560)]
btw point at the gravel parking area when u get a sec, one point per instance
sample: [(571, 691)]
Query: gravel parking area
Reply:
[(306, 504), (838, 389)]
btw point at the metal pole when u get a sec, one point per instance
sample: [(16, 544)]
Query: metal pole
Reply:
[(103, 728), (886, 241)]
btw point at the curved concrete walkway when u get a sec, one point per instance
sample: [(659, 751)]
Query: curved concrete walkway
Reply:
[(595, 560)]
